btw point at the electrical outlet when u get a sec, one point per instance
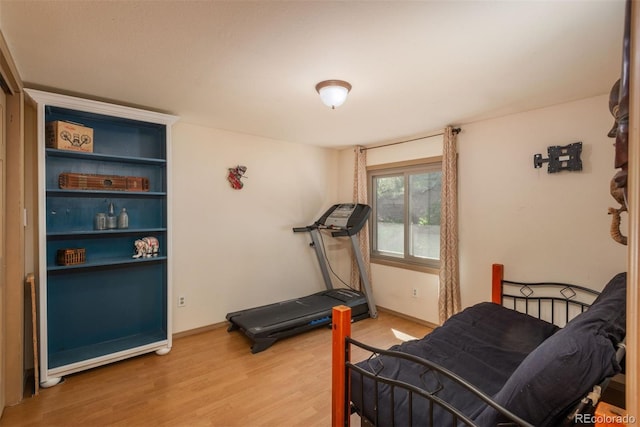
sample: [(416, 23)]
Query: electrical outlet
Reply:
[(414, 292), (182, 301)]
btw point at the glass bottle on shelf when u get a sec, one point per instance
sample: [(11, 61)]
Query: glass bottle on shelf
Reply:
[(123, 219), (112, 221)]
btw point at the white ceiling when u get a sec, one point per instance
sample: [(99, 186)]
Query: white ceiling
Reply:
[(252, 66)]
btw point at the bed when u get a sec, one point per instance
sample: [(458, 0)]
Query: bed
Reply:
[(539, 354)]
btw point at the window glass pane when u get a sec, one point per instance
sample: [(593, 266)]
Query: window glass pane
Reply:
[(389, 202), (424, 214)]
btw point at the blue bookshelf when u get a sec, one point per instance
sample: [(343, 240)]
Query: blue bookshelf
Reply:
[(111, 305)]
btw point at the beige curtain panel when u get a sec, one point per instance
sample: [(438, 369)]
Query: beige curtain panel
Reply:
[(360, 196), (449, 291)]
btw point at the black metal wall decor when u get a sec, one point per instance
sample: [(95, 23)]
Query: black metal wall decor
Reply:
[(561, 158)]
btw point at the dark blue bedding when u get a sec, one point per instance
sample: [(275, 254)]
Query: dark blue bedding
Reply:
[(567, 365), (528, 366), (483, 344)]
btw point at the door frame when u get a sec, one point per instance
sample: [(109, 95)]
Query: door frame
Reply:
[(12, 306)]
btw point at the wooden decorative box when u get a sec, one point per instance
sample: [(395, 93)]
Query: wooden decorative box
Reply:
[(69, 136), (137, 183), (83, 181), (71, 256)]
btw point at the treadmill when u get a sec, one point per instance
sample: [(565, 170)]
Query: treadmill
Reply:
[(266, 324)]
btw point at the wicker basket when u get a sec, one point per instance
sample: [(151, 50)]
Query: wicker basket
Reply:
[(71, 256)]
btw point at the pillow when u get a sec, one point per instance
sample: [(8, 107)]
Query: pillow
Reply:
[(561, 370), (554, 377), (607, 314)]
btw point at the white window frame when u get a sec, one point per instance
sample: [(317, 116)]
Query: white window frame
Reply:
[(391, 169)]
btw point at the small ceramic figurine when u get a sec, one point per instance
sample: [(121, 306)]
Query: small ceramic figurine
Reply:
[(146, 247)]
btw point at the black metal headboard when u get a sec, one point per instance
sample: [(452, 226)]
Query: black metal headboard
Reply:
[(555, 303)]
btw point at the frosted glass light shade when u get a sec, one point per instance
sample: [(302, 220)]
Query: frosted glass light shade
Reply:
[(333, 93)]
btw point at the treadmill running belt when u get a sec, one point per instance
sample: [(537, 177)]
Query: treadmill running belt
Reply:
[(287, 310), (265, 324)]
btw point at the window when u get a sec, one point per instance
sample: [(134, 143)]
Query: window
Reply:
[(405, 221)]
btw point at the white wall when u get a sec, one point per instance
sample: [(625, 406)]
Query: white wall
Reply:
[(541, 226), (235, 249)]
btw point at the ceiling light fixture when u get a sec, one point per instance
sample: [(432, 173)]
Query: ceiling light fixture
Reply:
[(333, 92)]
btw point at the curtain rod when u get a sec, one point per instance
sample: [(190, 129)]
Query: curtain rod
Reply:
[(455, 130)]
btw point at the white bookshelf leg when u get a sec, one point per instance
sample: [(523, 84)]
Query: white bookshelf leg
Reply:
[(50, 382), (163, 351)]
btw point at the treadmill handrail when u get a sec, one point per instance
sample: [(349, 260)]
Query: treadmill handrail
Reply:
[(335, 231), (340, 232)]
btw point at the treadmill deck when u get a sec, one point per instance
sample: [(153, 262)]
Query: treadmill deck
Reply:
[(266, 324)]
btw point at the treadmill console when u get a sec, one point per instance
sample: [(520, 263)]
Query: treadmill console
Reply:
[(347, 218)]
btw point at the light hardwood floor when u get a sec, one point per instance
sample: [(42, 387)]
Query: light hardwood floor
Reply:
[(208, 379)]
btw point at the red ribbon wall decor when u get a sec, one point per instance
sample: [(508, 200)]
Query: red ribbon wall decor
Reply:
[(235, 177)]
